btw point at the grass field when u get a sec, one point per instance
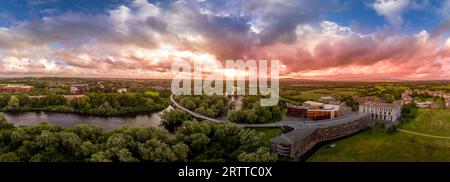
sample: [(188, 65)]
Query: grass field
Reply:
[(316, 94), (383, 147), (379, 146), (428, 121), (153, 93)]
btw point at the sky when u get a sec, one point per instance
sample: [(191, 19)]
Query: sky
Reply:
[(312, 39)]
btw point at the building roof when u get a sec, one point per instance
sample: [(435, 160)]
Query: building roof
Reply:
[(313, 103), (294, 135), (327, 98), (330, 107)]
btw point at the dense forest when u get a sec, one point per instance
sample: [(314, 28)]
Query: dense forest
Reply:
[(105, 104), (195, 141), (252, 112)]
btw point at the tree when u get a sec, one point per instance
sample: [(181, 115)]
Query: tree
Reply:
[(9, 157), (263, 154), (4, 124), (13, 104), (105, 109), (174, 118), (157, 151)]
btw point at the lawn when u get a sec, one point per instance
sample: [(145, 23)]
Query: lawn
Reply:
[(378, 146), (428, 121), (153, 93)]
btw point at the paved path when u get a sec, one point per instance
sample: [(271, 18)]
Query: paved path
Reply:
[(423, 134)]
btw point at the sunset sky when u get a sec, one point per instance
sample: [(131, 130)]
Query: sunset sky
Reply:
[(313, 39)]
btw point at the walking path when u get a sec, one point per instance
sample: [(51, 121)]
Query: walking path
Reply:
[(423, 134)]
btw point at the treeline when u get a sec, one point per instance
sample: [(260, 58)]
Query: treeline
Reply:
[(253, 113), (105, 104), (195, 141), (211, 106)]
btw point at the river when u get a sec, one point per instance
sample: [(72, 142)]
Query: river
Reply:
[(72, 119)]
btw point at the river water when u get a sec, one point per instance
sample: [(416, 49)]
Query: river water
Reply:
[(72, 119)]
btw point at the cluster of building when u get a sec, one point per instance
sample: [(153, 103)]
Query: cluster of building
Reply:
[(317, 110), (77, 89), (15, 89), (406, 98)]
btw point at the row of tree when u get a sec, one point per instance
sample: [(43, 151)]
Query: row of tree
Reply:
[(107, 104), (195, 141)]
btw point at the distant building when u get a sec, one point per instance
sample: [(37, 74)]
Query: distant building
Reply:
[(381, 111), (325, 111), (78, 89), (122, 90), (406, 97), (15, 89), (314, 110), (428, 104)]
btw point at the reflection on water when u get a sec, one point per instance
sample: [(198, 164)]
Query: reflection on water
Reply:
[(70, 119)]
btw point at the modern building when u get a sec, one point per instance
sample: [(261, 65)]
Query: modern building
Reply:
[(296, 111), (314, 110), (78, 89), (381, 111), (15, 89), (298, 141), (325, 111)]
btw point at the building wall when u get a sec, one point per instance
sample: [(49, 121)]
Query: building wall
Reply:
[(296, 112), (381, 113)]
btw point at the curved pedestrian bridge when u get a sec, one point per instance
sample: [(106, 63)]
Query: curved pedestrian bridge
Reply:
[(303, 134)]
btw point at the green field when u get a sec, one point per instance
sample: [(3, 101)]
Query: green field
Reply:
[(153, 93), (376, 145), (316, 94), (428, 121), (383, 147)]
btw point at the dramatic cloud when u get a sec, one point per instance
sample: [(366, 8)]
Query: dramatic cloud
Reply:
[(142, 39), (392, 10)]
